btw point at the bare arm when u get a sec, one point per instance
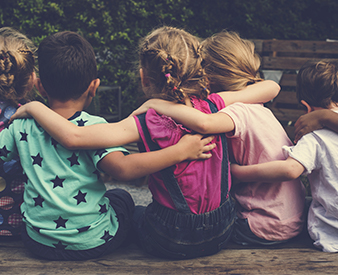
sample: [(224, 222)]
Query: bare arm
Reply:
[(280, 170), (190, 117), (316, 120), (133, 166), (259, 92), (73, 137)]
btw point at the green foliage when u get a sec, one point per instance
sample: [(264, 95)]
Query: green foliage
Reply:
[(114, 27)]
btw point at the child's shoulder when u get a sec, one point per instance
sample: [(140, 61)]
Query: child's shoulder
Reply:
[(85, 119)]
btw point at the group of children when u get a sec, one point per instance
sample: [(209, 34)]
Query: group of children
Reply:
[(212, 88)]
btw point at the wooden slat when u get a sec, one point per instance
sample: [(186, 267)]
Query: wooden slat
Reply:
[(295, 257), (285, 63), (300, 46), (288, 80), (286, 97), (287, 114)]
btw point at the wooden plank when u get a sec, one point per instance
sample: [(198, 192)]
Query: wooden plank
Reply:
[(286, 97), (285, 63), (285, 115), (289, 80), (297, 256), (300, 46)]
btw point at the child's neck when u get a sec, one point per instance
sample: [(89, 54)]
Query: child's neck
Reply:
[(66, 109)]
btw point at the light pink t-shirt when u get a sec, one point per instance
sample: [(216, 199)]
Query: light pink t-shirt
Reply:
[(274, 210)]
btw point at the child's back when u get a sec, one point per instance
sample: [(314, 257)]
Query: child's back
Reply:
[(274, 211)]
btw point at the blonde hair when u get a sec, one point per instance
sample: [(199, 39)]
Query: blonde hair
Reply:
[(171, 62), (230, 62), (17, 64)]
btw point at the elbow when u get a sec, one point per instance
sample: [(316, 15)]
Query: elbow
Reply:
[(291, 174), (70, 142), (275, 88), (203, 127)]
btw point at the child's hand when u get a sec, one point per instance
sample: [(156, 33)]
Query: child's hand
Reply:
[(21, 112), (308, 123), (157, 104), (194, 147)]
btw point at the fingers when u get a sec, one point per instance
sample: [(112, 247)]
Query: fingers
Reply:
[(207, 140), (209, 147)]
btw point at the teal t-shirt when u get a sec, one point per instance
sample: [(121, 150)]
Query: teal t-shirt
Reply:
[(64, 203)]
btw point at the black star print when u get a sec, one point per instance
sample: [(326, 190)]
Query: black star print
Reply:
[(73, 160), (37, 159), (23, 136), (60, 222), (54, 143), (80, 197), (103, 208), (38, 201), (106, 236), (81, 122), (97, 173), (59, 245), (4, 152), (100, 152), (57, 182), (83, 229)]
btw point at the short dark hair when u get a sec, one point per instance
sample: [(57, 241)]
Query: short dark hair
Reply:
[(317, 83), (67, 65)]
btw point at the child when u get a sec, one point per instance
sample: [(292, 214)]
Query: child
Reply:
[(267, 214), (314, 155), (196, 217), (16, 70), (66, 209)]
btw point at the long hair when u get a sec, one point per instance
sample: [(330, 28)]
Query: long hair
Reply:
[(230, 62)]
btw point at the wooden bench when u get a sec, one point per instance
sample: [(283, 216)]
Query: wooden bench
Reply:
[(295, 257), (284, 58)]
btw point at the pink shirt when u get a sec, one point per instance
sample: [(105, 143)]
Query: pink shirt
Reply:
[(274, 210), (200, 181)]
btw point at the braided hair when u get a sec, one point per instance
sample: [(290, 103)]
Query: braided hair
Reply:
[(172, 64), (17, 63)]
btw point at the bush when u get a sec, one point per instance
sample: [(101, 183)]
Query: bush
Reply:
[(114, 27)]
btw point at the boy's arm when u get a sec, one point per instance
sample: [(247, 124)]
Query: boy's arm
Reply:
[(127, 167), (280, 170), (316, 120), (259, 92), (73, 137), (190, 117)]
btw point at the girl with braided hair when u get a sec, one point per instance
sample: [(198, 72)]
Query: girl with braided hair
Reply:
[(16, 80), (267, 213), (192, 213)]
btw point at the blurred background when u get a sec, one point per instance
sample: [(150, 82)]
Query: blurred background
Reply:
[(114, 27)]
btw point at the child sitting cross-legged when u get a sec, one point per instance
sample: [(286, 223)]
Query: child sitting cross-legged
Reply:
[(314, 155), (68, 213)]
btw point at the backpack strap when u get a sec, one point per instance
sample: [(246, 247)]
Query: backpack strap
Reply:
[(225, 160), (167, 174)]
